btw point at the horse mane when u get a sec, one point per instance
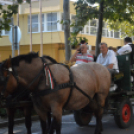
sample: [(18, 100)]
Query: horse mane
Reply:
[(50, 58), (27, 57)]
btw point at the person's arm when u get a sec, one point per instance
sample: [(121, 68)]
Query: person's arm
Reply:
[(124, 49), (112, 60), (110, 66), (73, 57)]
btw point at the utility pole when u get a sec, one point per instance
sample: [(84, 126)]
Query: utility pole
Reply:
[(18, 26), (30, 27), (41, 36), (66, 18), (13, 41)]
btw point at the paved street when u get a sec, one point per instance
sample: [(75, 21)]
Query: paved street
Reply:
[(69, 127)]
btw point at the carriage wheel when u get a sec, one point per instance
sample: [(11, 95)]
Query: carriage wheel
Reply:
[(124, 117), (82, 118)]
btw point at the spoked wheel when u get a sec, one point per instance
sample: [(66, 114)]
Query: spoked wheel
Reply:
[(124, 116), (82, 118)]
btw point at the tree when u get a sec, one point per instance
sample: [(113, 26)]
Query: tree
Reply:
[(6, 14), (126, 28), (112, 10), (66, 22)]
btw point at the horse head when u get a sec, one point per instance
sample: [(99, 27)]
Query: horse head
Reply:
[(7, 80)]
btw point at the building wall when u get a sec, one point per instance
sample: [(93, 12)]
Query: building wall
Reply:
[(51, 40)]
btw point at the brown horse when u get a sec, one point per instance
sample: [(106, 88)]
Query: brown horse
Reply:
[(89, 85), (12, 107), (23, 102)]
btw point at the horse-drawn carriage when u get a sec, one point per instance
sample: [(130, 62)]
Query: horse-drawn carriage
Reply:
[(119, 101), (77, 92)]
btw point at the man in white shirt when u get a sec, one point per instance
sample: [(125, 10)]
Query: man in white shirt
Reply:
[(126, 48), (107, 58)]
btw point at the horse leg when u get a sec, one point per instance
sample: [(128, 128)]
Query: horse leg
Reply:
[(56, 122), (28, 122), (48, 120), (10, 114), (98, 110), (98, 128), (43, 126)]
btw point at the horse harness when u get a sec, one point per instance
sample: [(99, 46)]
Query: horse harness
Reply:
[(71, 84)]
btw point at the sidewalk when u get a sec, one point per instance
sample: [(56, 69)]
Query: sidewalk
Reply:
[(4, 121)]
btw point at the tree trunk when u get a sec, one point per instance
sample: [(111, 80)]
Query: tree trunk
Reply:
[(66, 17), (99, 30)]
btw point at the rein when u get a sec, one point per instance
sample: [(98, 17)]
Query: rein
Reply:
[(25, 90), (71, 84), (14, 73)]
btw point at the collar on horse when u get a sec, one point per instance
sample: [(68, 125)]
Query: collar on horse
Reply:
[(71, 84)]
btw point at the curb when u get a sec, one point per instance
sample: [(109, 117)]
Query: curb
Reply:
[(22, 120)]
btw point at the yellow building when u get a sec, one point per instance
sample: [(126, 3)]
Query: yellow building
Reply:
[(53, 35)]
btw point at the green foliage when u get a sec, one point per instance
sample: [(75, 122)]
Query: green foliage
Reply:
[(115, 11), (126, 28), (7, 14)]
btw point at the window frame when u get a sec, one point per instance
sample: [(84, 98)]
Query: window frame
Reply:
[(32, 23), (46, 30)]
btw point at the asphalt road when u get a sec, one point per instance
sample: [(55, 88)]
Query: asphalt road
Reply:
[(70, 127)]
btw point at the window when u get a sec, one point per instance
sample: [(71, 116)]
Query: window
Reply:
[(35, 23), (62, 27), (93, 27), (52, 22), (83, 30), (116, 34), (111, 34), (93, 23), (104, 32), (72, 21), (72, 18), (122, 34), (133, 38), (104, 24), (93, 30), (7, 32), (88, 24), (87, 30)]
